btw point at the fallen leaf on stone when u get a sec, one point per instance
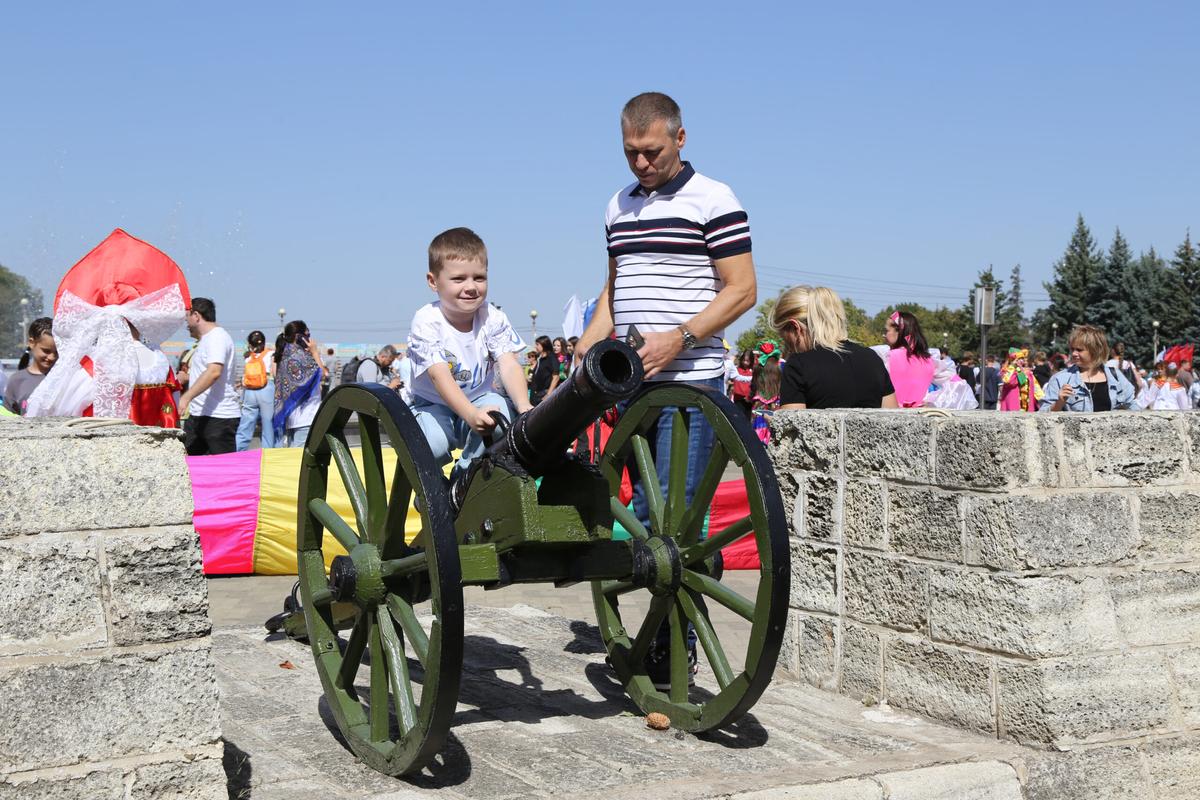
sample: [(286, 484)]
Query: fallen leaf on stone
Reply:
[(287, 665), (657, 721)]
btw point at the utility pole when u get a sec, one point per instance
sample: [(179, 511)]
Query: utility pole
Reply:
[(985, 316)]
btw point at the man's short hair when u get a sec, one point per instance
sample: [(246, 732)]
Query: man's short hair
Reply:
[(387, 351), (647, 108), (456, 244), (205, 308)]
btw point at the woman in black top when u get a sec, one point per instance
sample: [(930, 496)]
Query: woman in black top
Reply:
[(824, 369), (544, 372)]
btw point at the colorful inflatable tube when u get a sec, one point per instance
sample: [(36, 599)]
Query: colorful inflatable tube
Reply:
[(246, 509)]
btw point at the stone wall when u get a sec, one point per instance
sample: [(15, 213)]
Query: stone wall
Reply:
[(107, 683), (1035, 577)]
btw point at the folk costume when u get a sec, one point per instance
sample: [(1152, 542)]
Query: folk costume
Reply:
[(1164, 393), (764, 402), (122, 288), (1019, 389)]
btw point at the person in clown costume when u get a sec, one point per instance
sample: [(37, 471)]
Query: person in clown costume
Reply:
[(1019, 389), (112, 311)]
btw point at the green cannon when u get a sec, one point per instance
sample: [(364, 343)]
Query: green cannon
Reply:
[(525, 512)]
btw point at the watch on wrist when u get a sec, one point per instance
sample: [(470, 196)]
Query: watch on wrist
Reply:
[(689, 338)]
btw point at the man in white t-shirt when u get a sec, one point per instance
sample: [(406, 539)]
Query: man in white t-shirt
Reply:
[(210, 399)]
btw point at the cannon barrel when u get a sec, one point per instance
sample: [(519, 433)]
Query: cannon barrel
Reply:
[(609, 373)]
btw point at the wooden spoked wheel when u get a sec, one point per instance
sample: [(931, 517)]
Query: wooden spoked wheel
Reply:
[(395, 718), (680, 575)]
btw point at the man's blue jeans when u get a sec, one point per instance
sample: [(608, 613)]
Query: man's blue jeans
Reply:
[(700, 445), (256, 404)]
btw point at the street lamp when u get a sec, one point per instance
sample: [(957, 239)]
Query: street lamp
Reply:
[(1054, 337), (533, 322), (945, 336), (24, 316), (282, 313), (1155, 324)]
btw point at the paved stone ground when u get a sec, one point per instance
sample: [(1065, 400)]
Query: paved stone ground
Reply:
[(540, 715)]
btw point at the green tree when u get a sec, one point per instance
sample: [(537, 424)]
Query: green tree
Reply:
[(1108, 297), (859, 324), (762, 329), (1010, 322), (942, 326), (1149, 287), (1009, 329), (1074, 275), (1182, 314), (13, 289)]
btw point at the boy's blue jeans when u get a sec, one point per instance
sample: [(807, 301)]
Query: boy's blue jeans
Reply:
[(445, 431)]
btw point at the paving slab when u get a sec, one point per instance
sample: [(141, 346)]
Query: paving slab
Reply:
[(540, 714)]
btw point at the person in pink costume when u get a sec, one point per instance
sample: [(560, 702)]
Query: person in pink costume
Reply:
[(1019, 390), (908, 361)]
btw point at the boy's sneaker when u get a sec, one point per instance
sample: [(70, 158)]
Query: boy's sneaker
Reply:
[(658, 667)]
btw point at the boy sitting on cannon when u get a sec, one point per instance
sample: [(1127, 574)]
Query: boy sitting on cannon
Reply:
[(456, 344)]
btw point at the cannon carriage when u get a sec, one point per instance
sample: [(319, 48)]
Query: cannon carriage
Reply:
[(528, 512)]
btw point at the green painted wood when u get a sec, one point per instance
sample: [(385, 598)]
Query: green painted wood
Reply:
[(333, 523), (718, 591), (403, 613), (676, 500), (693, 518), (399, 679), (694, 609), (379, 684), (654, 496), (374, 481), (628, 519), (679, 656), (480, 564), (355, 491)]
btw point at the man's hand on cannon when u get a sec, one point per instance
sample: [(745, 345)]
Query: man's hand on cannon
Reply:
[(659, 350)]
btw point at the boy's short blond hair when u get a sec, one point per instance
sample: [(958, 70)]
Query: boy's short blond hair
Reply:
[(456, 244)]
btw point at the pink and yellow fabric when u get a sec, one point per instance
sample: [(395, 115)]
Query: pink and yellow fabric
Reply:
[(246, 508)]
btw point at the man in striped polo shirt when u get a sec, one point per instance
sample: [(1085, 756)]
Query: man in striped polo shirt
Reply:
[(680, 269)]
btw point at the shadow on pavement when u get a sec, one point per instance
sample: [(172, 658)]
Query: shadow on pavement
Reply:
[(238, 771)]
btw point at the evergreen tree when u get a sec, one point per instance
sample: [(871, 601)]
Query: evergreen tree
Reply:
[(1005, 333), (1074, 275), (1108, 299), (1149, 289), (14, 288), (1182, 313), (1011, 317)]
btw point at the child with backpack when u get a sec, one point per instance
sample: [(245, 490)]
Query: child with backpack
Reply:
[(258, 393)]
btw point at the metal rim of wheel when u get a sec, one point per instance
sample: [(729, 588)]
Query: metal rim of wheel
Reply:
[(382, 580), (684, 597)]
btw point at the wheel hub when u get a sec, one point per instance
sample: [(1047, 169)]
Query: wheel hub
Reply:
[(657, 566), (357, 578)]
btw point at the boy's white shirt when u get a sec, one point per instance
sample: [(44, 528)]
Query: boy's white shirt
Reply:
[(472, 356)]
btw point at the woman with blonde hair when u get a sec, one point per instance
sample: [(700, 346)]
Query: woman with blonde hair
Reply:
[(824, 369), (1088, 385)]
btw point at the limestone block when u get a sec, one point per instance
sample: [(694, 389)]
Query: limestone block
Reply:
[(1036, 532), (925, 523), (801, 440), (852, 789), (203, 779), (885, 591), (108, 785), (108, 707), (862, 514), (789, 648), (987, 780), (1084, 700), (941, 682), (1185, 669), (51, 594), (862, 662), (984, 451), (1094, 773), (890, 444), (1021, 615), (789, 492), (816, 649), (156, 588), (1174, 767), (822, 508), (814, 578), (1170, 527), (1157, 607), (1048, 454), (133, 477), (1122, 449)]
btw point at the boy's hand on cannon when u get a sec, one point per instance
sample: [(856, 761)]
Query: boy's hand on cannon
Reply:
[(481, 421)]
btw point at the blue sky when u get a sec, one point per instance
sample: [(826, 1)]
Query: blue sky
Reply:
[(301, 156)]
